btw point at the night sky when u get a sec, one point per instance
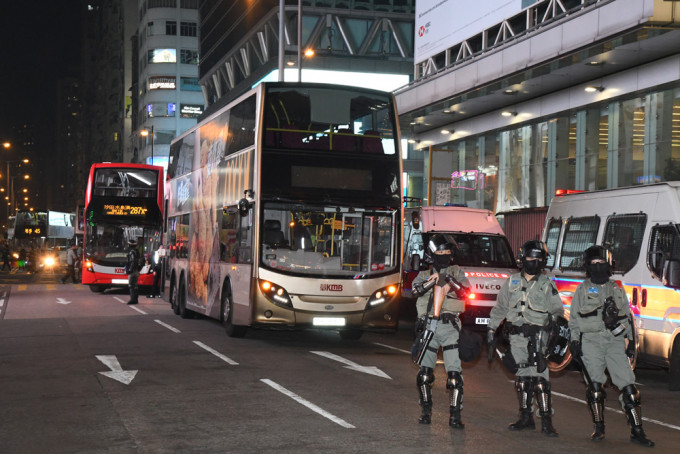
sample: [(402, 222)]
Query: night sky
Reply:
[(40, 43)]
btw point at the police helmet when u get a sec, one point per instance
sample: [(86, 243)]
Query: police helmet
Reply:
[(536, 249), (594, 253), (442, 242)]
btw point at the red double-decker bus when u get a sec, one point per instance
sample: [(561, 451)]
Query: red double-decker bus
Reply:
[(123, 202)]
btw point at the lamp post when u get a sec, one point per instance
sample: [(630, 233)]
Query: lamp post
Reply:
[(144, 133)]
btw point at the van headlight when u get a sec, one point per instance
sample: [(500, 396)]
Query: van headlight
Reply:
[(382, 296), (49, 261), (276, 294)]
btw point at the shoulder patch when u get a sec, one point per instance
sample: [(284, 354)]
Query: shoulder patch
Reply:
[(515, 282), (593, 290)]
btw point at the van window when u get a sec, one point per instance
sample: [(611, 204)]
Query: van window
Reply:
[(483, 250), (623, 236), (580, 234), (551, 240), (664, 244)]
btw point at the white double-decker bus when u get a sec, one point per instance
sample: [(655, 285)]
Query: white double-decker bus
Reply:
[(285, 211)]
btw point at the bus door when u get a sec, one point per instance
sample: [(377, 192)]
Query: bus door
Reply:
[(236, 256), (351, 250)]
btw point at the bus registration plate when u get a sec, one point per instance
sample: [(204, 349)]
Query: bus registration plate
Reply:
[(328, 321)]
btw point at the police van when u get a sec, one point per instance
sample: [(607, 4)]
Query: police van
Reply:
[(641, 226), (484, 253)]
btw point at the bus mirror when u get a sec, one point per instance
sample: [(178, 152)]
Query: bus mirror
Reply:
[(671, 274), (243, 207)]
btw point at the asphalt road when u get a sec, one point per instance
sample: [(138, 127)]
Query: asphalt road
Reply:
[(85, 373)]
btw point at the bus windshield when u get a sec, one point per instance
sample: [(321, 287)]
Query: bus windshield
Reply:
[(327, 240), (107, 244)]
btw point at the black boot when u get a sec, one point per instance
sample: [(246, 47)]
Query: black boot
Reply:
[(454, 384), (631, 405), (525, 395), (595, 397), (424, 379), (544, 400)]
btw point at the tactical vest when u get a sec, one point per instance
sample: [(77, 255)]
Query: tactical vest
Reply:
[(529, 304)]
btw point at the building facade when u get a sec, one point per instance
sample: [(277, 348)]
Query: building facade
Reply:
[(555, 95), (166, 98)]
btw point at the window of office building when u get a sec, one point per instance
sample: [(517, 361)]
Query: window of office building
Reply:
[(188, 57), (162, 3), (189, 84), (188, 29), (161, 109), (170, 27)]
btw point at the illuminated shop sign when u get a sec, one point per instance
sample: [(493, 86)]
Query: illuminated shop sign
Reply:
[(464, 179), (163, 56), (162, 83), (190, 110)]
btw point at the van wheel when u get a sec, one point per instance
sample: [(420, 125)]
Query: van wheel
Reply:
[(182, 301), (674, 370), (173, 297), (227, 316), (351, 334)]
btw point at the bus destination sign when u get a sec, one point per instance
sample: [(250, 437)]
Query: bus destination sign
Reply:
[(124, 210)]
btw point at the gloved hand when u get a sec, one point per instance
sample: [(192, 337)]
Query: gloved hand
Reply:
[(491, 343), (575, 348), (432, 325), (630, 349)]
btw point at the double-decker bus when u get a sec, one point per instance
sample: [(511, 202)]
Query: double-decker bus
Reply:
[(285, 211), (123, 202)]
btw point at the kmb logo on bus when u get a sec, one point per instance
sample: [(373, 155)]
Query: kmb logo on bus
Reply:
[(331, 287)]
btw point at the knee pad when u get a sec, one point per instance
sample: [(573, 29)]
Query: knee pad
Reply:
[(595, 393), (542, 385), (523, 383), (454, 381), (630, 396), (425, 376)]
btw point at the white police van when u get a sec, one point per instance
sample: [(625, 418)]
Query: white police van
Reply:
[(641, 226), (484, 253)]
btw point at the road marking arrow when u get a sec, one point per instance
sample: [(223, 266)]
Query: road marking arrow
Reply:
[(62, 301), (354, 366), (117, 372)]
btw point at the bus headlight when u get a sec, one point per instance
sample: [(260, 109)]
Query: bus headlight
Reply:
[(49, 261), (88, 266), (276, 294), (383, 295)]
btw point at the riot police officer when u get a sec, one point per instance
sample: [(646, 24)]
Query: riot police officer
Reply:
[(527, 302), (440, 309), (599, 322)]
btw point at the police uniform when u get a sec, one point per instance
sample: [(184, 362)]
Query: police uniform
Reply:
[(133, 269), (528, 306), (601, 347), (446, 335)]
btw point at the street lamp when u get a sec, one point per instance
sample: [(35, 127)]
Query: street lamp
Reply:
[(144, 133)]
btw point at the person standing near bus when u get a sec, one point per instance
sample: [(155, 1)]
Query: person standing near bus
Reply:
[(157, 261), (132, 268), (600, 321), (6, 262), (70, 266), (526, 302), (442, 312)]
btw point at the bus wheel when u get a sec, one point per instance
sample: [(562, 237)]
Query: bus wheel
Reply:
[(182, 301), (227, 315), (674, 370), (97, 288), (173, 297), (351, 334)]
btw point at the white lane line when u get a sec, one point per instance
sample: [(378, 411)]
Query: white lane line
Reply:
[(653, 421), (138, 310), (307, 404), (393, 348), (216, 353), (171, 328), (2, 302), (119, 300)]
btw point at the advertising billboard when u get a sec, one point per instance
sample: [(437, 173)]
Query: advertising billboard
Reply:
[(441, 24)]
